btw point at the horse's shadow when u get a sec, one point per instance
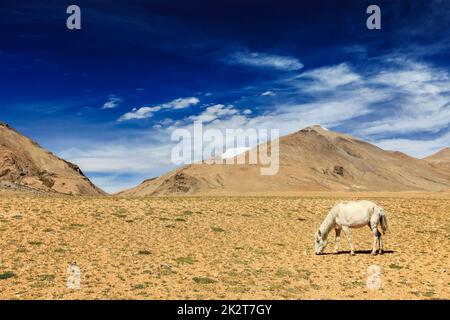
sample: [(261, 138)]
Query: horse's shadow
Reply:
[(358, 252)]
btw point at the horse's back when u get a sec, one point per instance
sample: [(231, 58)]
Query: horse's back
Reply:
[(354, 213), (355, 205)]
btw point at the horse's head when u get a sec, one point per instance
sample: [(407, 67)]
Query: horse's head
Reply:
[(319, 242)]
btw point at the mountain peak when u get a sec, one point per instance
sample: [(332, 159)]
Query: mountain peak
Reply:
[(316, 128), (440, 158), (321, 131), (441, 153)]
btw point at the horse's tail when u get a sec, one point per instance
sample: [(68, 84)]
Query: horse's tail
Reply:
[(383, 221)]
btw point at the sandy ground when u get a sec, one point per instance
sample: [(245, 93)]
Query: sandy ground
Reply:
[(217, 248)]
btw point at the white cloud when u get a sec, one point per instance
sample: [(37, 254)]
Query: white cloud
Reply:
[(264, 60), (416, 147), (116, 157), (268, 93), (141, 113), (180, 103), (329, 78), (215, 112), (113, 102), (147, 112), (419, 100)]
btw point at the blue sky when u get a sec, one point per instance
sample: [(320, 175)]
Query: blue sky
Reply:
[(108, 96)]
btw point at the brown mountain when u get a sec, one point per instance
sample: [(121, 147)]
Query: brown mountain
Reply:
[(310, 159), (440, 159), (24, 165)]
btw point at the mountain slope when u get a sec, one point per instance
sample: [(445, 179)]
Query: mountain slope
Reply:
[(440, 159), (310, 159), (24, 165)]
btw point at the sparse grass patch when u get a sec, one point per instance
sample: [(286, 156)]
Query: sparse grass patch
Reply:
[(121, 213), (76, 225), (144, 252), (7, 275), (35, 243), (203, 280), (395, 266), (283, 273), (315, 286), (46, 277), (238, 289), (428, 294), (186, 260), (261, 251), (217, 229), (138, 287)]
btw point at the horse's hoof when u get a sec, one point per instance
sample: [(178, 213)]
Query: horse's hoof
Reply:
[(380, 252), (352, 253), (374, 253)]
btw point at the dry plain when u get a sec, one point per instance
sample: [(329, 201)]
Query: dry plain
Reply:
[(217, 247)]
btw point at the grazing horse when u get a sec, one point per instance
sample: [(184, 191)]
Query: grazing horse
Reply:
[(351, 214)]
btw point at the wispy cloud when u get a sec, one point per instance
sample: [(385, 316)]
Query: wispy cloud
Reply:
[(419, 99), (416, 147), (268, 93), (264, 60), (113, 102), (329, 78), (147, 112), (215, 112)]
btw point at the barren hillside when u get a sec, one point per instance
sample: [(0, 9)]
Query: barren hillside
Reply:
[(24, 165), (312, 159), (441, 159)]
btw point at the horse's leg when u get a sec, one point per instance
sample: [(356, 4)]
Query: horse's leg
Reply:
[(376, 239), (380, 242), (376, 234), (338, 238), (349, 239)]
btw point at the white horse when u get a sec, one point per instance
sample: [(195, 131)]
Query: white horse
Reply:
[(352, 214)]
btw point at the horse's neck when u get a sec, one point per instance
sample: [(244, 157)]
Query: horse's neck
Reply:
[(328, 224)]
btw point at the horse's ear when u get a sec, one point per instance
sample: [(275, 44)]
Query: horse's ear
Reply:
[(319, 233)]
